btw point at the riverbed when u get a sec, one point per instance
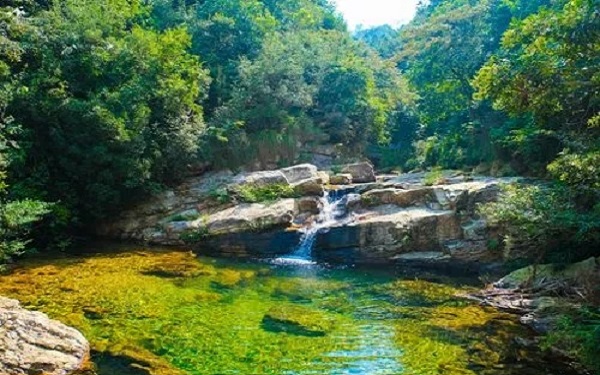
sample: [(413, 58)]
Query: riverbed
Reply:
[(164, 311)]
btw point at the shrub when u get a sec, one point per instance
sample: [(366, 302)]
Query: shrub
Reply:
[(537, 219), (434, 177), (255, 194)]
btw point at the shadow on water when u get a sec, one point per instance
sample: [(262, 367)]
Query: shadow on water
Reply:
[(108, 364)]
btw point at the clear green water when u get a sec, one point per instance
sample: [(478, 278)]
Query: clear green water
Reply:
[(169, 312)]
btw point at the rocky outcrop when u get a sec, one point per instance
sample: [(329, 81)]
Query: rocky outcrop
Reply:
[(394, 219), (31, 343), (414, 224)]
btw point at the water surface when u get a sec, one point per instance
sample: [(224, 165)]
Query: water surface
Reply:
[(168, 312)]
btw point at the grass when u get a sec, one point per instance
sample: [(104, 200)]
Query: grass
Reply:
[(434, 177), (256, 194)]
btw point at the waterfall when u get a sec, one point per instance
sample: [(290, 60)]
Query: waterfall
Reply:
[(333, 209)]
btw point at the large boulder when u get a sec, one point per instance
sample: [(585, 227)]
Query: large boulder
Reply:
[(300, 172), (361, 172), (248, 217), (545, 273), (386, 232), (309, 187), (31, 343), (398, 197)]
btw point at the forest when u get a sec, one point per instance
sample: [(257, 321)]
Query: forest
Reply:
[(104, 103)]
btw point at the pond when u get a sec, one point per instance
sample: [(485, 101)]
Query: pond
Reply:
[(153, 311)]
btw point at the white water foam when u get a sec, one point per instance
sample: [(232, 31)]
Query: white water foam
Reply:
[(332, 210)]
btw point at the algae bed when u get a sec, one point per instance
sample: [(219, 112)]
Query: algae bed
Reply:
[(167, 312)]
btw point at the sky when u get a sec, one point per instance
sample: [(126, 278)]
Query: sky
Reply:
[(376, 12)]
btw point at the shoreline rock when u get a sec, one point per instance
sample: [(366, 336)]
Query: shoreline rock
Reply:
[(31, 343), (541, 294)]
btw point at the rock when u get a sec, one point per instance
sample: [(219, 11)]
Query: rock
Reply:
[(401, 198), (547, 273), (341, 179), (351, 202), (361, 172), (423, 256), (254, 217), (262, 178), (324, 176), (309, 187), (270, 243), (297, 320), (300, 172), (383, 233), (310, 205), (31, 343)]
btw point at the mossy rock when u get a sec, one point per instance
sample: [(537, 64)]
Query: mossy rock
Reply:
[(297, 320), (229, 279), (548, 272)]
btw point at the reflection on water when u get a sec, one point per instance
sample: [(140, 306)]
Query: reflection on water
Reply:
[(168, 313)]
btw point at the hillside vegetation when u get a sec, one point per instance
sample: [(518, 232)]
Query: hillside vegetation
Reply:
[(107, 101)]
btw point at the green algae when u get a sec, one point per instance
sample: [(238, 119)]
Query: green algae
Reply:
[(168, 312)]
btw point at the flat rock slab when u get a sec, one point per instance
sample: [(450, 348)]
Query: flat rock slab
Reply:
[(33, 344)]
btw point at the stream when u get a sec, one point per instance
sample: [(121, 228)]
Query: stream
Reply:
[(158, 311)]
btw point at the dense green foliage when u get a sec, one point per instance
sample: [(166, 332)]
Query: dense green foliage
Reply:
[(506, 87), (103, 102), (112, 96)]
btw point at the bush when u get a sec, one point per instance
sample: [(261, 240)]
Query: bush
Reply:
[(537, 220), (579, 334), (16, 221), (434, 177)]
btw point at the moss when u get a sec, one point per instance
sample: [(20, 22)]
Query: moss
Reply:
[(255, 194), (168, 312)]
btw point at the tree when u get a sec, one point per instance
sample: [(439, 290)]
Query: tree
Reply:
[(109, 109), (314, 86)]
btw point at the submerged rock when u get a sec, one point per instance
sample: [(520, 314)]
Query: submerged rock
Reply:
[(31, 343), (297, 320)]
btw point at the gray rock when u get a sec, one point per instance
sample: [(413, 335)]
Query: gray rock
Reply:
[(309, 187), (309, 205), (423, 256), (31, 343), (341, 179), (300, 172), (262, 178), (361, 172)]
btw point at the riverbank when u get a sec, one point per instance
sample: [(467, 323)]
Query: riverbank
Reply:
[(559, 302)]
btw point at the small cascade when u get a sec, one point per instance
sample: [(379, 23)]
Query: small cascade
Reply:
[(332, 211)]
